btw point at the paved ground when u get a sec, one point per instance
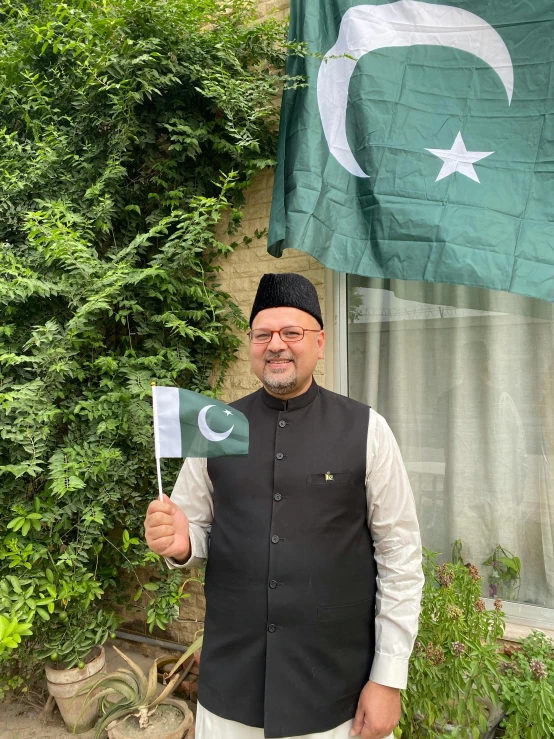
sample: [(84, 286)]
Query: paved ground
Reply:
[(19, 720)]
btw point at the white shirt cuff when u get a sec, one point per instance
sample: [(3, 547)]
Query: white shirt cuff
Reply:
[(191, 562), (390, 671)]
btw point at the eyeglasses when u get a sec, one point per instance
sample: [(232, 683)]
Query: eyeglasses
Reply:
[(289, 334)]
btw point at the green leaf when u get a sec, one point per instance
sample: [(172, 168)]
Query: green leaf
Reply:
[(45, 601), (14, 583)]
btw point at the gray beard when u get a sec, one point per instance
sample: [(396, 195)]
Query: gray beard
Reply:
[(280, 387)]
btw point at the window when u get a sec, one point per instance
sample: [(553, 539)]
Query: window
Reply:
[(465, 378)]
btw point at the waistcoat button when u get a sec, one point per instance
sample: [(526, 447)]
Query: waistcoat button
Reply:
[(275, 539), (279, 455), (271, 628), (273, 583), (277, 496), (282, 424)]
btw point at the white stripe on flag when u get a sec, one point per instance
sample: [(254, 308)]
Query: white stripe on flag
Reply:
[(167, 428)]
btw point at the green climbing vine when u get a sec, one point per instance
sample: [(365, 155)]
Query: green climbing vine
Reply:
[(128, 130)]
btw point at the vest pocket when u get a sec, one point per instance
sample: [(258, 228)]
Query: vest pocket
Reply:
[(329, 479), (350, 610)]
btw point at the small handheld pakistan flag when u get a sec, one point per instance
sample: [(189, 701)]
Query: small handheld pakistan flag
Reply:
[(188, 424)]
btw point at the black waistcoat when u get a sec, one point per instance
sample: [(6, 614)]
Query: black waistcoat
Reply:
[(290, 580)]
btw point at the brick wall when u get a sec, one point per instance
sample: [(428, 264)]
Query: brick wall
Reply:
[(278, 7)]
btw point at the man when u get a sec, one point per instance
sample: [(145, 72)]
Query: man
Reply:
[(313, 581)]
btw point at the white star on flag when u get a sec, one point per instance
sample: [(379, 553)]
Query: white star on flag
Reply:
[(228, 413), (459, 159)]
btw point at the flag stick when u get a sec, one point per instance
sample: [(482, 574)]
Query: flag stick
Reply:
[(158, 464), (159, 468)]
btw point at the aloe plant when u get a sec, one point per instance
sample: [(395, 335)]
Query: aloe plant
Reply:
[(138, 693), (183, 658)]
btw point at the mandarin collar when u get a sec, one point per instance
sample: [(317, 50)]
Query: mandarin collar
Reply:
[(300, 401)]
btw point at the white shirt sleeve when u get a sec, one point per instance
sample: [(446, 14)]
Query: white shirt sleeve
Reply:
[(193, 493), (394, 528)]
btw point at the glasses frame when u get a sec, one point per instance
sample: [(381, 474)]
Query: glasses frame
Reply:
[(294, 341)]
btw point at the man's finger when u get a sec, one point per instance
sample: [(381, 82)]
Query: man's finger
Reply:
[(158, 506), (162, 546), (358, 722), (160, 532), (160, 519)]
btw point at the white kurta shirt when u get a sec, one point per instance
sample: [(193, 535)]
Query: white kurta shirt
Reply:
[(392, 520)]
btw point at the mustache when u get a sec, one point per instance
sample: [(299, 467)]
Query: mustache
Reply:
[(277, 355)]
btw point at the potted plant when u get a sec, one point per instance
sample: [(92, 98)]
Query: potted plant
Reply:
[(138, 707), (454, 671), (504, 579), (76, 654)]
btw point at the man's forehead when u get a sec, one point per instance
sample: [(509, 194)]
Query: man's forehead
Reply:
[(274, 317)]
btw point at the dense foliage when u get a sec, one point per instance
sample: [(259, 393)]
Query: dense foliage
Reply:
[(128, 128)]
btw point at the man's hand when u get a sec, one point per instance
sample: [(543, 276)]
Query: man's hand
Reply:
[(167, 530), (378, 712)]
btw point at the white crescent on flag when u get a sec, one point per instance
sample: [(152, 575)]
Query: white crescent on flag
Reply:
[(366, 28), (206, 431)]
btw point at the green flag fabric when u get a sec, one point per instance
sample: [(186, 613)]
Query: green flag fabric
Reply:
[(422, 145), (188, 424)]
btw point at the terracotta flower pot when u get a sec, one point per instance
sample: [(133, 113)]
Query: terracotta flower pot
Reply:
[(63, 684), (129, 729)]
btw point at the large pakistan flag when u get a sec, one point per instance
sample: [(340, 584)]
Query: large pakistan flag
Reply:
[(422, 144)]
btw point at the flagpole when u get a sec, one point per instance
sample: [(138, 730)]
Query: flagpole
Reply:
[(159, 468), (156, 436)]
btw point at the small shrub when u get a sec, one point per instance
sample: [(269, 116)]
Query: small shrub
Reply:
[(454, 670)]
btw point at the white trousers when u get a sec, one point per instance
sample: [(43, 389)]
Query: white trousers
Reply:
[(210, 726)]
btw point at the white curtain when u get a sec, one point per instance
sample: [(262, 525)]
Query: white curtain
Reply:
[(465, 377)]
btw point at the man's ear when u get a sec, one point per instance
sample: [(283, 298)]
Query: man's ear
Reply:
[(320, 344)]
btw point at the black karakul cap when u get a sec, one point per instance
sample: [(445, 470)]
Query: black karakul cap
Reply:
[(286, 290)]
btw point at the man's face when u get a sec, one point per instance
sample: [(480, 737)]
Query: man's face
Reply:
[(286, 369)]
